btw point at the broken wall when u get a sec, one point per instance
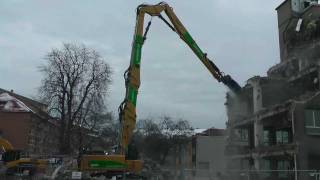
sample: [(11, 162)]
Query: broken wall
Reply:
[(278, 91), (298, 30)]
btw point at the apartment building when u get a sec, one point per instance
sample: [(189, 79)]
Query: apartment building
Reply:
[(26, 124)]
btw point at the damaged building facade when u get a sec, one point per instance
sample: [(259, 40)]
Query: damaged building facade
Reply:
[(274, 122)]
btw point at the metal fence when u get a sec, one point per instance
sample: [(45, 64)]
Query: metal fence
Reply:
[(274, 175), (196, 174)]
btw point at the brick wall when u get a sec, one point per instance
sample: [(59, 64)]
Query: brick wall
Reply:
[(15, 127)]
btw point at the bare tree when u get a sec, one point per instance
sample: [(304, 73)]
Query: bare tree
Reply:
[(75, 82), (177, 132), (111, 131), (162, 137)]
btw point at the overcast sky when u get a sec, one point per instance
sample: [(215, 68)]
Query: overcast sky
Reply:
[(239, 36)]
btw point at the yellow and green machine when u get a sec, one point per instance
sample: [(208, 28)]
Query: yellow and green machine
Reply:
[(127, 109), (15, 163)]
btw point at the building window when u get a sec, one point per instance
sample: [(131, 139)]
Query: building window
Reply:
[(283, 166), (266, 138), (282, 137), (203, 165), (244, 136), (312, 121), (266, 166), (245, 164)]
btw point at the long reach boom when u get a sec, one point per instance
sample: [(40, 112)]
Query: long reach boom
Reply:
[(127, 109)]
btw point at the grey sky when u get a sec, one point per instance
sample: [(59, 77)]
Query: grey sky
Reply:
[(239, 36)]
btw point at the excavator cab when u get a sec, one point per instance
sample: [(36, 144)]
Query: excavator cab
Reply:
[(11, 155), (16, 161)]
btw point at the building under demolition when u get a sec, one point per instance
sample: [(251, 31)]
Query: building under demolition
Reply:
[(274, 122)]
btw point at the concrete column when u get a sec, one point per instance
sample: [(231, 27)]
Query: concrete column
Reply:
[(257, 106), (257, 126), (318, 78), (257, 94)]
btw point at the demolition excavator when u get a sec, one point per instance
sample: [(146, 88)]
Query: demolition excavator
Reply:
[(13, 162), (127, 109)]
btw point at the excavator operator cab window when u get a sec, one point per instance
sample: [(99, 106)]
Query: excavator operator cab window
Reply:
[(11, 156)]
